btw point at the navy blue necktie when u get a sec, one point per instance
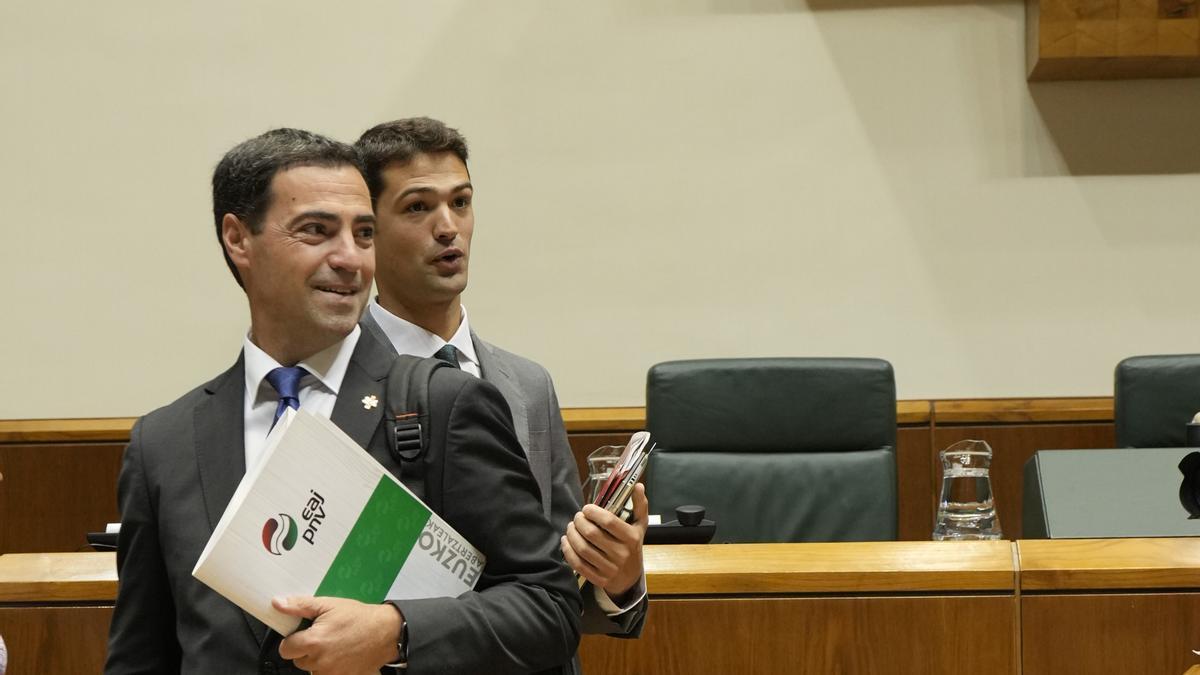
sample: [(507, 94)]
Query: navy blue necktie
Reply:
[(287, 382), (448, 354)]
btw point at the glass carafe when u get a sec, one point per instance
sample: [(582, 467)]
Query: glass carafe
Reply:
[(601, 463), (966, 508)]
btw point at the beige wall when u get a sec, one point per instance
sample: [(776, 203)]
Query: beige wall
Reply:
[(656, 180)]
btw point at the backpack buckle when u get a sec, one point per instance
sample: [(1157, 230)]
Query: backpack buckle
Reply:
[(406, 437)]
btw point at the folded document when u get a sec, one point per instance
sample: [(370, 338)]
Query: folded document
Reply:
[(319, 516)]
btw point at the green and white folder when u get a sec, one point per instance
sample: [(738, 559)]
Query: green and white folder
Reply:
[(319, 516)]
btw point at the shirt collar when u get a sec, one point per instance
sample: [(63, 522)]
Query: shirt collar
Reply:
[(327, 367), (409, 338)]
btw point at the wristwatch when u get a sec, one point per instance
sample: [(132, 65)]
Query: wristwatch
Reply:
[(401, 647)]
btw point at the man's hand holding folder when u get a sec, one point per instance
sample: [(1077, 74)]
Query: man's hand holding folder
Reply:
[(346, 636)]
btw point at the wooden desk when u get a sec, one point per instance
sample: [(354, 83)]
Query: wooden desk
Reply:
[(58, 577), (55, 609), (1109, 605), (1032, 607), (889, 607)]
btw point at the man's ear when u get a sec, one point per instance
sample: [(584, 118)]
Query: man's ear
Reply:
[(235, 235)]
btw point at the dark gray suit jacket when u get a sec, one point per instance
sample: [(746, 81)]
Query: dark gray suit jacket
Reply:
[(184, 462), (529, 392)]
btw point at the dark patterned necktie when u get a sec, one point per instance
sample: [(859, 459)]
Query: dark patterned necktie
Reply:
[(448, 354)]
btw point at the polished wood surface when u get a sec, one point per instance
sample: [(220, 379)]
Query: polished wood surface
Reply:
[(595, 420), (577, 420), (1120, 633), (58, 577), (62, 430), (913, 412), (846, 567), (630, 419), (985, 410), (1111, 39), (909, 412), (1107, 564), (64, 640), (53, 494), (1012, 445), (768, 636), (633, 418)]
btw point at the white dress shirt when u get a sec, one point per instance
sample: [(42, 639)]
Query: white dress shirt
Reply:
[(409, 338), (318, 389)]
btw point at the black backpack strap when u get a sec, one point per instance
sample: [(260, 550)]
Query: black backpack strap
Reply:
[(406, 406)]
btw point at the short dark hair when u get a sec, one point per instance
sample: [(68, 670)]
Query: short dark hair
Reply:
[(399, 141), (241, 182)]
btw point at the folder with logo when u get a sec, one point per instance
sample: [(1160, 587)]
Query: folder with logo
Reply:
[(319, 516)]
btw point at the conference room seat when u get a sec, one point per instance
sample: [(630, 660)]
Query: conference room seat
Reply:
[(1154, 399), (776, 449)]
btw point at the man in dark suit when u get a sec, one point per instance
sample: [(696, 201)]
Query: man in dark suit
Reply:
[(422, 193), (294, 218)]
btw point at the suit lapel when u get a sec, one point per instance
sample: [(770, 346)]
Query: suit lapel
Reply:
[(221, 452), (220, 440), (359, 406), (496, 371), (370, 325)]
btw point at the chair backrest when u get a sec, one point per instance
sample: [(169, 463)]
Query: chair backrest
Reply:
[(1154, 399), (788, 449)]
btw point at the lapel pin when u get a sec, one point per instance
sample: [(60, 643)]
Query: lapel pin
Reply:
[(370, 401)]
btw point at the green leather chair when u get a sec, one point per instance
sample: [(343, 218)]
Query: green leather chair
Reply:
[(1154, 399), (777, 450)]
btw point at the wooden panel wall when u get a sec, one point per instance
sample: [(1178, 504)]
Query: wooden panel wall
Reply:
[(1084, 633), (60, 475), (53, 494), (822, 635), (1110, 633), (914, 473)]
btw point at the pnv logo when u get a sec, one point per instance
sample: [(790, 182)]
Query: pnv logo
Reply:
[(279, 534)]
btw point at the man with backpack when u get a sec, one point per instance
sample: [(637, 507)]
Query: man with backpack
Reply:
[(422, 194)]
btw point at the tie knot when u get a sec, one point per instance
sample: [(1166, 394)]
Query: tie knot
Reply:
[(287, 382), (448, 354)]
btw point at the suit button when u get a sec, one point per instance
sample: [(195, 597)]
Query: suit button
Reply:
[(268, 668)]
